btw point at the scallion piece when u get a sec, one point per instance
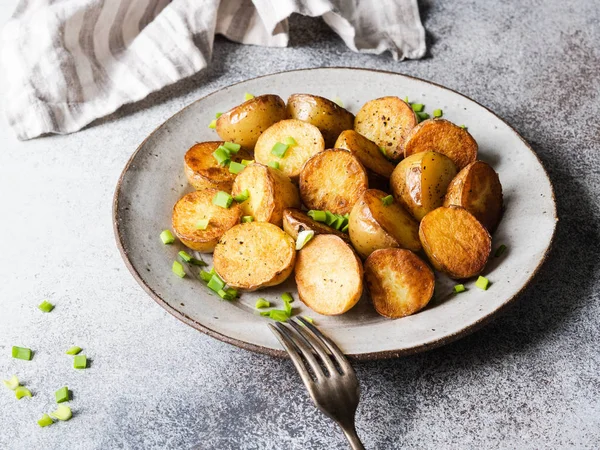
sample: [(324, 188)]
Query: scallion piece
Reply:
[(62, 395), (406, 99), (417, 107), (438, 113), (482, 283), (245, 195), (422, 116), (212, 124), (12, 383), (236, 167), (185, 256), (206, 276), (310, 319), (273, 164), (232, 146), (73, 350), (63, 412), (232, 292), (290, 141), (225, 295), (286, 296), (500, 250), (247, 219), (339, 102), (345, 228), (279, 315), (217, 115), (319, 216), (464, 127), (287, 306), (265, 313), (331, 218), (382, 150), (21, 392), (216, 283), (303, 238), (222, 156), (279, 149), (202, 224), (247, 162), (167, 237), (197, 262), (459, 288), (21, 353), (339, 222), (45, 306), (45, 421), (387, 200), (222, 199), (248, 96), (177, 269), (262, 303), (80, 362)]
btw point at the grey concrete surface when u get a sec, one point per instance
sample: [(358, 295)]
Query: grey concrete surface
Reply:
[(530, 380)]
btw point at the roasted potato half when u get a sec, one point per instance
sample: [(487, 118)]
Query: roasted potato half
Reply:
[(204, 172), (477, 188), (295, 221), (254, 255), (419, 182), (332, 181), (330, 118), (442, 136), (399, 282), (196, 206), (455, 241), (367, 152), (386, 121), (373, 225), (270, 193), (329, 275), (245, 123), (309, 142)]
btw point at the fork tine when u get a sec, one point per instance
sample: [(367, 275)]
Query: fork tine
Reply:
[(289, 346), (317, 345), (305, 350)]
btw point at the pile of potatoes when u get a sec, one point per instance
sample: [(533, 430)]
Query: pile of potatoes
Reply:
[(445, 202)]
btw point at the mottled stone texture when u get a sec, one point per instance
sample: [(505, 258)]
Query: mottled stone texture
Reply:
[(528, 380)]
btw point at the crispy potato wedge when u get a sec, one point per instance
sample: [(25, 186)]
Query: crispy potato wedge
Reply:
[(373, 225), (386, 121), (245, 123), (295, 221), (367, 152), (477, 188), (254, 255), (332, 180), (197, 206), (204, 172), (442, 136), (308, 139), (399, 282), (329, 275), (270, 193), (455, 241), (330, 118), (419, 182)]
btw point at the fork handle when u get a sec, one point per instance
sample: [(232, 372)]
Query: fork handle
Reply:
[(352, 437)]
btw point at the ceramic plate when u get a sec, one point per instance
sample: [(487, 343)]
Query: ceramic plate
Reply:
[(153, 181)]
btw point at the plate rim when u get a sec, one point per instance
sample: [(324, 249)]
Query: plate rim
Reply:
[(383, 354)]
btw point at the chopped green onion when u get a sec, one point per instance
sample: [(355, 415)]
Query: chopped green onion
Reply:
[(406, 99), (167, 237), (177, 269), (482, 283), (500, 251), (62, 395), (212, 124), (265, 313), (290, 141), (73, 350), (12, 383), (303, 238), (438, 113), (216, 283), (197, 262), (319, 216), (202, 224), (222, 199), (232, 147), (279, 315), (222, 156), (247, 162), (262, 303), (227, 294), (245, 195), (185, 256), (422, 116), (21, 392), (279, 149), (247, 219), (248, 96), (46, 306), (417, 107), (339, 102), (382, 150), (345, 229), (217, 115), (330, 218), (309, 319), (464, 127), (206, 276), (286, 296), (21, 353), (459, 288), (235, 167), (339, 222), (273, 164), (63, 412), (80, 362), (45, 421), (287, 307), (387, 200)]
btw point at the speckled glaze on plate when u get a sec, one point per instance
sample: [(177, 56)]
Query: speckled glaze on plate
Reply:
[(153, 180)]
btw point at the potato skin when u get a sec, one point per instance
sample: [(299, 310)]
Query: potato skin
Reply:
[(204, 172), (332, 181), (477, 188), (442, 136), (196, 206), (295, 221), (455, 241), (270, 193), (373, 226), (367, 152), (309, 142), (254, 255), (245, 123), (420, 181), (386, 121), (329, 117), (329, 275), (399, 282)]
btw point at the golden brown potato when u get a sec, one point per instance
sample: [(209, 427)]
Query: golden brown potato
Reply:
[(455, 241), (329, 275), (477, 188), (332, 181), (419, 182), (367, 152), (399, 282), (204, 172), (330, 118), (245, 123), (373, 225), (309, 142), (444, 137), (254, 255), (386, 121), (270, 193), (196, 206), (295, 221)]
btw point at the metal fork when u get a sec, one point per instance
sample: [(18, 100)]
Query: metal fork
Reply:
[(334, 390)]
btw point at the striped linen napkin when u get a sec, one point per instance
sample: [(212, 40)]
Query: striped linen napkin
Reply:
[(67, 63)]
